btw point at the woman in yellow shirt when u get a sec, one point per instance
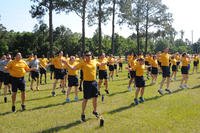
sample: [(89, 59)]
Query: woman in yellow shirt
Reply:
[(195, 63), (174, 67), (154, 69), (184, 71)]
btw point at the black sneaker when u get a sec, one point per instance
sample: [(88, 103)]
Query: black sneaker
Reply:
[(5, 99), (107, 92), (167, 90), (83, 118), (141, 99), (96, 114), (136, 102), (13, 109), (63, 91), (80, 88), (23, 107), (53, 93)]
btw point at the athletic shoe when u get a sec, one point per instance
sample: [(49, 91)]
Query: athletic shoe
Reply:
[(136, 101), (23, 107), (83, 118), (182, 86), (13, 109), (63, 91), (160, 92), (186, 86), (67, 100), (141, 99), (80, 88), (76, 99), (167, 90), (107, 92), (129, 88), (53, 93), (96, 114), (5, 99)]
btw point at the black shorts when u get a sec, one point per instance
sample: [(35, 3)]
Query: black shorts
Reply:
[(81, 74), (52, 68), (195, 63), (154, 70), (59, 73), (65, 71), (42, 70), (34, 75), (2, 75), (103, 74), (18, 83), (139, 81), (184, 70), (7, 79), (174, 68), (149, 69), (120, 64), (165, 71), (72, 81), (132, 74), (115, 66), (90, 89), (111, 67)]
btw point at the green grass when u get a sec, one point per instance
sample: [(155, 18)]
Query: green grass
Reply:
[(174, 113)]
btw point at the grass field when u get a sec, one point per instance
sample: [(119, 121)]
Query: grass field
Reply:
[(178, 112)]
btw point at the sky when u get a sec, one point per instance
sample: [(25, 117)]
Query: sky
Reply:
[(15, 16)]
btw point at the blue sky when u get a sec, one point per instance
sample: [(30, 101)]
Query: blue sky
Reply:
[(15, 16)]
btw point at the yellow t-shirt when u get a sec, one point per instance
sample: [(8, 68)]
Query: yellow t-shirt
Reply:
[(139, 69), (89, 69), (17, 68), (177, 57), (104, 67), (57, 62), (44, 62), (111, 61), (133, 64), (30, 59), (164, 59), (173, 61), (196, 58), (154, 63), (185, 61), (70, 71)]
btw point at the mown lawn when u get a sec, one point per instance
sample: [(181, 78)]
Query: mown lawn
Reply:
[(178, 112)]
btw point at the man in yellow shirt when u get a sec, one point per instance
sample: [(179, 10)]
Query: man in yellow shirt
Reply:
[(184, 70), (17, 69), (90, 89), (164, 59), (111, 62), (43, 68), (195, 63)]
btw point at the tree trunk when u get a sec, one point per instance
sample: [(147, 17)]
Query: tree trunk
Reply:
[(146, 29), (138, 38), (113, 27), (51, 26), (83, 28), (100, 32)]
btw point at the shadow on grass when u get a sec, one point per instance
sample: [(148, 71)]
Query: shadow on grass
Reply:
[(118, 93), (59, 128), (121, 109), (196, 87)]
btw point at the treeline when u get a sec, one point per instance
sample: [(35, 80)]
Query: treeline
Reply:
[(149, 19)]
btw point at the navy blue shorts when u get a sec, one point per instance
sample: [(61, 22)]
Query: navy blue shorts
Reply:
[(154, 70), (72, 81), (103, 74), (115, 66), (34, 75), (59, 74), (7, 79), (195, 63), (42, 70), (165, 71), (132, 74), (2, 74), (184, 70), (90, 89), (111, 67), (120, 64), (52, 68), (139, 81), (174, 68), (18, 84)]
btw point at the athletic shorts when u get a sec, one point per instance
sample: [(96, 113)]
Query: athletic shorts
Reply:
[(59, 74), (2, 75), (81, 74), (18, 84), (139, 81), (34, 75), (65, 71), (111, 67), (72, 81), (7, 79), (52, 68), (165, 71), (174, 68), (42, 70), (184, 70), (132, 74), (115, 66), (154, 70), (103, 74), (120, 64), (90, 89), (195, 63)]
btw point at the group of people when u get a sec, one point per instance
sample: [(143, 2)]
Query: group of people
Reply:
[(67, 69)]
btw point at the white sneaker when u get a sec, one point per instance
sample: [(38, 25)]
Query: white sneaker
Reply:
[(182, 86), (129, 88), (186, 86)]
